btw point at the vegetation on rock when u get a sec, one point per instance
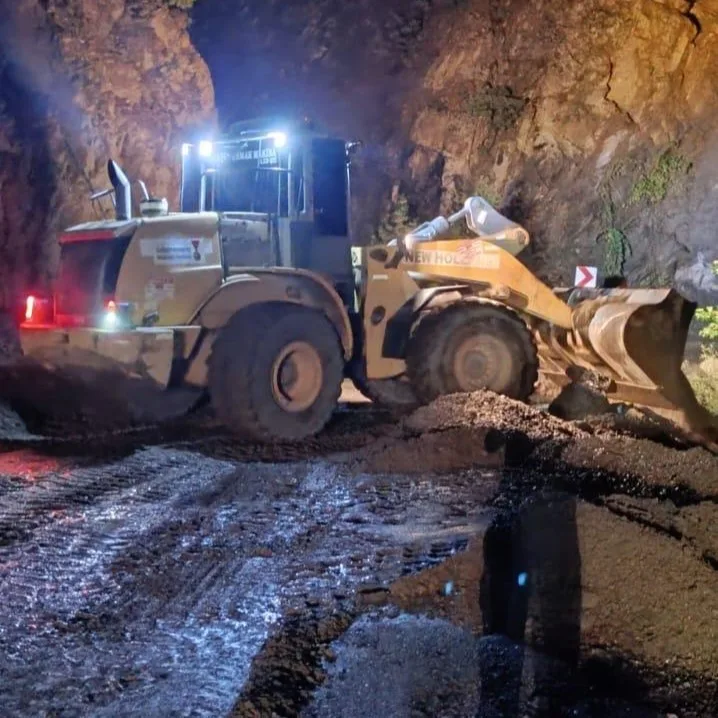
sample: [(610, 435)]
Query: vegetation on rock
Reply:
[(629, 188), (704, 379), (499, 105), (617, 248), (704, 376), (654, 184), (708, 316), (485, 190), (397, 220)]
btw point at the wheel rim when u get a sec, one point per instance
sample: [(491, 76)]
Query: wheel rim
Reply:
[(483, 362), (297, 377)]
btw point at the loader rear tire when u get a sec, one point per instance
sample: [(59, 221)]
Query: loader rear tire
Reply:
[(276, 373), (469, 346)]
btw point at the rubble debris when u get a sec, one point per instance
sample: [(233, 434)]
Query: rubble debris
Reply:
[(486, 409), (579, 401)]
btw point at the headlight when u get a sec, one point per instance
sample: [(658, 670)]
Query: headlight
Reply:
[(205, 148), (117, 316), (280, 139), (110, 317)]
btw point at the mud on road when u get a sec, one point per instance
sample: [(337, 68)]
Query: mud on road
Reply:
[(479, 558)]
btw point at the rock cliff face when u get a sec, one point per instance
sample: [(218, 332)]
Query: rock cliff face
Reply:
[(80, 82), (590, 121)]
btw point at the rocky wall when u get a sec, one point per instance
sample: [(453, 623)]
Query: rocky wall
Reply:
[(82, 81), (592, 122)]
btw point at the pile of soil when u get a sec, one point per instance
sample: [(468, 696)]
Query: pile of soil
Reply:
[(55, 403), (460, 432), (488, 410), (484, 429), (453, 449), (601, 551)]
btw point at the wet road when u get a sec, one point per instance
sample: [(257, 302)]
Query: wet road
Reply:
[(177, 571), (145, 583)]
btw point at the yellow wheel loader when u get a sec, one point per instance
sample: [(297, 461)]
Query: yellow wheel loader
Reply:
[(252, 295)]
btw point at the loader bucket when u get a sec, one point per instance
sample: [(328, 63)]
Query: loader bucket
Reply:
[(635, 339)]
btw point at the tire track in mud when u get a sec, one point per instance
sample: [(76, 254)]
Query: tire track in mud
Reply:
[(73, 470), (40, 494), (154, 594), (60, 569)]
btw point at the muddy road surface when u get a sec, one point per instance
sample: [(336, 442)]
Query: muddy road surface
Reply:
[(478, 558)]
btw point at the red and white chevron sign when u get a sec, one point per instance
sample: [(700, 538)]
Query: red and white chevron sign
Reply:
[(586, 276)]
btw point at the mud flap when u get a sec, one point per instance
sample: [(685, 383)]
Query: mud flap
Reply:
[(635, 339)]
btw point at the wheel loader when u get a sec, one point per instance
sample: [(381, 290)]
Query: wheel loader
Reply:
[(253, 295)]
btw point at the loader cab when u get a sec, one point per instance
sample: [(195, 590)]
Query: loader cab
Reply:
[(282, 193)]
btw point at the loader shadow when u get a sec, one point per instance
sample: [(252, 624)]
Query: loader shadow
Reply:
[(531, 593)]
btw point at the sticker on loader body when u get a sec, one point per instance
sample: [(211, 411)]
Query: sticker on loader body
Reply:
[(470, 254), (178, 251), (158, 289)]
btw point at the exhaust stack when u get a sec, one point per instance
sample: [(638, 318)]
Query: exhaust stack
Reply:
[(123, 192)]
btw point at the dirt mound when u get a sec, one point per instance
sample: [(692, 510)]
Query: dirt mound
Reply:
[(58, 402), (52, 402), (632, 452), (454, 449), (638, 423), (486, 409), (658, 466)]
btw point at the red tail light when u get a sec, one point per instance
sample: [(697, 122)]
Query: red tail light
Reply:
[(35, 310), (29, 308)]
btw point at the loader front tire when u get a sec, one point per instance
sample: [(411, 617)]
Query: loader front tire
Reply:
[(275, 373), (470, 346)]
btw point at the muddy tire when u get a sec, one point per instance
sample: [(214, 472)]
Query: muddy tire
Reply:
[(276, 373), (470, 346)]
